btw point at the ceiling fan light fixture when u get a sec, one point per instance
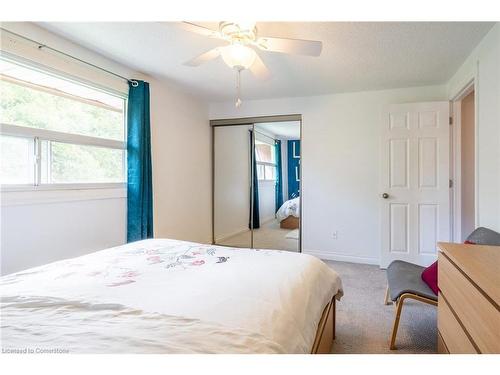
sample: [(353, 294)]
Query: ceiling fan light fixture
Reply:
[(242, 39), (246, 25), (238, 56)]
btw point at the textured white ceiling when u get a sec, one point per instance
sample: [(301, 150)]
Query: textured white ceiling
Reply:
[(356, 56), (284, 129)]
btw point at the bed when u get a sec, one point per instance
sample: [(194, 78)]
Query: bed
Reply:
[(289, 213), (168, 296)]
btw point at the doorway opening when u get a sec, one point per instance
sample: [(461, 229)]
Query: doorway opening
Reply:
[(464, 163)]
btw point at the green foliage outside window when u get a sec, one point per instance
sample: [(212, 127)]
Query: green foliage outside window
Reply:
[(23, 106)]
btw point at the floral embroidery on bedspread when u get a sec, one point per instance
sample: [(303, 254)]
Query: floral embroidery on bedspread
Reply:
[(169, 257), (194, 256)]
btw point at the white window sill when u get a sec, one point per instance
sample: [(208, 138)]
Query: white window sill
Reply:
[(27, 195)]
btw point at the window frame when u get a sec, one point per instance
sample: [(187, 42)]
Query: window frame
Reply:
[(38, 135)]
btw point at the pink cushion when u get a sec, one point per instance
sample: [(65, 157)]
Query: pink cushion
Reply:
[(430, 277)]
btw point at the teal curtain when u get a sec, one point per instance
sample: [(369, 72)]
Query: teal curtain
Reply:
[(139, 174), (254, 213), (279, 175)]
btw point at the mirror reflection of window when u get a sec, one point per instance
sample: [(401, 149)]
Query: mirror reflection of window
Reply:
[(266, 163)]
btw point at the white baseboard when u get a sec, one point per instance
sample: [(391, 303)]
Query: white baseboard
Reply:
[(342, 257)]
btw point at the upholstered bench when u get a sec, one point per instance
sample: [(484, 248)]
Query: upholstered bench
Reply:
[(404, 277)]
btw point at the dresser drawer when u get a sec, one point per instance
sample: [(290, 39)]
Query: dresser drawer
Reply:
[(478, 315), (452, 333)]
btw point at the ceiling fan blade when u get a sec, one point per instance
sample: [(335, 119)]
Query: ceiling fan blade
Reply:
[(204, 57), (188, 26), (259, 70), (294, 46)]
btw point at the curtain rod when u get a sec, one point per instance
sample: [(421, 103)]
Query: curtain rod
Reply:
[(44, 46)]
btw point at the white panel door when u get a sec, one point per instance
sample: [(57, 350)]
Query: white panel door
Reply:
[(415, 196)]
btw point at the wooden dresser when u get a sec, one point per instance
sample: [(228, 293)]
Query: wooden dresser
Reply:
[(469, 298)]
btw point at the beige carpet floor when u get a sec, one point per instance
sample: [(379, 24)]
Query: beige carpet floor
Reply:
[(364, 323), (268, 236)]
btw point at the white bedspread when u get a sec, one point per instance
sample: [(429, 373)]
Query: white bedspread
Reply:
[(290, 207), (167, 296)]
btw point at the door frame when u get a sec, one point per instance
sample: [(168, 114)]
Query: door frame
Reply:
[(251, 121), (456, 159)]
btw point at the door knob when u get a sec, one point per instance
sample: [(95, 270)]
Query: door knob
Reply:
[(385, 195)]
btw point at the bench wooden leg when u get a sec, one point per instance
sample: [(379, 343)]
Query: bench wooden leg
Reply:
[(399, 307), (386, 299)]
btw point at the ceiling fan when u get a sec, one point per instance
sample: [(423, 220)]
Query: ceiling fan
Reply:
[(242, 42)]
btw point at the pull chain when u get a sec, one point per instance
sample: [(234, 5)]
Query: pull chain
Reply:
[(238, 88)]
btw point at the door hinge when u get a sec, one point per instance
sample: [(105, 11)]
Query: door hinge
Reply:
[(451, 120), (450, 183)]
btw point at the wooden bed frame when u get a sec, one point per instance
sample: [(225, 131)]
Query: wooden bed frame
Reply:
[(326, 330), (291, 222)]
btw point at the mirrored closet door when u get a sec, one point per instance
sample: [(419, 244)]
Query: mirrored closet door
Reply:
[(232, 186), (256, 174)]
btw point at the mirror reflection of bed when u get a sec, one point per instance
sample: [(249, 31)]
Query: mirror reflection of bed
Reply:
[(274, 202)]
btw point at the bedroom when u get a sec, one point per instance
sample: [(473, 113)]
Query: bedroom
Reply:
[(105, 143)]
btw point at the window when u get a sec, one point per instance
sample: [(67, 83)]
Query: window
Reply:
[(17, 160), (58, 132), (266, 163)]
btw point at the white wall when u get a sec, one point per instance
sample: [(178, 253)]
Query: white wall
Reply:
[(39, 233), (41, 229), (181, 165), (340, 161), (483, 65)]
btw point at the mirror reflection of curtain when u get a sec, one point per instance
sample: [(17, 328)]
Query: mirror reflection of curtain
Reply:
[(254, 221), (279, 175)]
